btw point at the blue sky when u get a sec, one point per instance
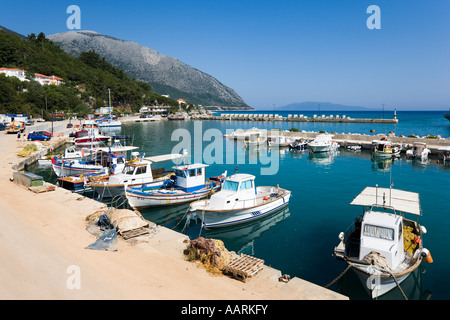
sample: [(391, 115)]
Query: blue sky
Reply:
[(280, 52)]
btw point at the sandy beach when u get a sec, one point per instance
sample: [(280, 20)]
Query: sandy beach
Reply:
[(43, 240)]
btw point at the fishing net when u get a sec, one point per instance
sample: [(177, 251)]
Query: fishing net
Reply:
[(210, 253), (408, 240)]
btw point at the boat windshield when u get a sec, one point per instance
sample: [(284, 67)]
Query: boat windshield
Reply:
[(230, 185), (378, 232), (128, 170)]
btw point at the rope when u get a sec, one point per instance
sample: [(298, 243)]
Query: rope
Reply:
[(338, 277)]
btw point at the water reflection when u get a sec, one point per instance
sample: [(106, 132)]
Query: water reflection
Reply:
[(240, 238), (412, 287)]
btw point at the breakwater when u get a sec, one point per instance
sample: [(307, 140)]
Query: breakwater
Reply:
[(292, 118)]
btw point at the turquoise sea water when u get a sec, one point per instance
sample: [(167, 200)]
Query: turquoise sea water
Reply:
[(300, 239)]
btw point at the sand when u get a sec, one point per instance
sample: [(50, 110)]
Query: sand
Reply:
[(43, 240)]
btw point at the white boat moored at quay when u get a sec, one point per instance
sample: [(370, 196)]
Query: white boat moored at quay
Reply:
[(323, 143), (382, 246), (239, 201)]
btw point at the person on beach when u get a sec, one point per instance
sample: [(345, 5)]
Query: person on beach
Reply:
[(18, 136)]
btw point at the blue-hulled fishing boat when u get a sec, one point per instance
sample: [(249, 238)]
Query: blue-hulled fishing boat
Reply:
[(187, 184)]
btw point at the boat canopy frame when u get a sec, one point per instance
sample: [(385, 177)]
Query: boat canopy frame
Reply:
[(388, 198)]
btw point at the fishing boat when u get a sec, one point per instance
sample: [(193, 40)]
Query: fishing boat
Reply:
[(385, 148), (109, 122), (187, 184), (89, 135), (110, 159), (323, 143), (418, 151), (382, 246), (82, 182), (239, 201), (73, 167), (69, 153), (136, 173)]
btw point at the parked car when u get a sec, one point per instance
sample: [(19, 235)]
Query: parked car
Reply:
[(32, 136), (70, 125), (29, 122), (45, 133)]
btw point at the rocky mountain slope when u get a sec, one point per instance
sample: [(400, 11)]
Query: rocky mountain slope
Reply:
[(165, 74)]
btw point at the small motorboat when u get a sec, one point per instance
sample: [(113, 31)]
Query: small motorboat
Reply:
[(385, 148), (239, 201), (323, 143), (382, 246), (298, 144), (187, 184), (418, 151)]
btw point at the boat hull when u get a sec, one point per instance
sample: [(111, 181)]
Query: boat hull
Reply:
[(381, 154), (216, 219), (142, 200), (106, 190), (67, 169), (377, 286)]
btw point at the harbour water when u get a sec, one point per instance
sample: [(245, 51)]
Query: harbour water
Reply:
[(300, 239)]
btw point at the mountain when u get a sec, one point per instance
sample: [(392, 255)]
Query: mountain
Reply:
[(165, 74), (324, 106), (14, 33)]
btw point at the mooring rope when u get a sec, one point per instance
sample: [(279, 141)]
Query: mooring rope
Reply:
[(338, 277)]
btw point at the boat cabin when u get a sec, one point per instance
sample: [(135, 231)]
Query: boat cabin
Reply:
[(382, 229), (190, 177), (238, 191)]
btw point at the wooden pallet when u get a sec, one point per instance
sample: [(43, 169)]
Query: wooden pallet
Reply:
[(135, 233), (244, 267)]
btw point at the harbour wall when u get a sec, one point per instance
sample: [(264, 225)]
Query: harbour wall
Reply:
[(291, 118)]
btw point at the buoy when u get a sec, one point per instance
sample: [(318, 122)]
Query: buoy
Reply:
[(417, 240), (426, 256), (266, 198)]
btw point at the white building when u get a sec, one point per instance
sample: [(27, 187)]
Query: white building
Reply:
[(42, 79), (20, 74)]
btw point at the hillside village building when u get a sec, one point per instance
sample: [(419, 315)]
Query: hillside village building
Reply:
[(42, 79)]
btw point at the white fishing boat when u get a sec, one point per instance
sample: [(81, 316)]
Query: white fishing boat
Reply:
[(69, 154), (418, 151), (382, 246), (385, 148), (239, 201), (110, 159), (109, 122), (187, 184), (136, 173), (89, 135), (323, 143)]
